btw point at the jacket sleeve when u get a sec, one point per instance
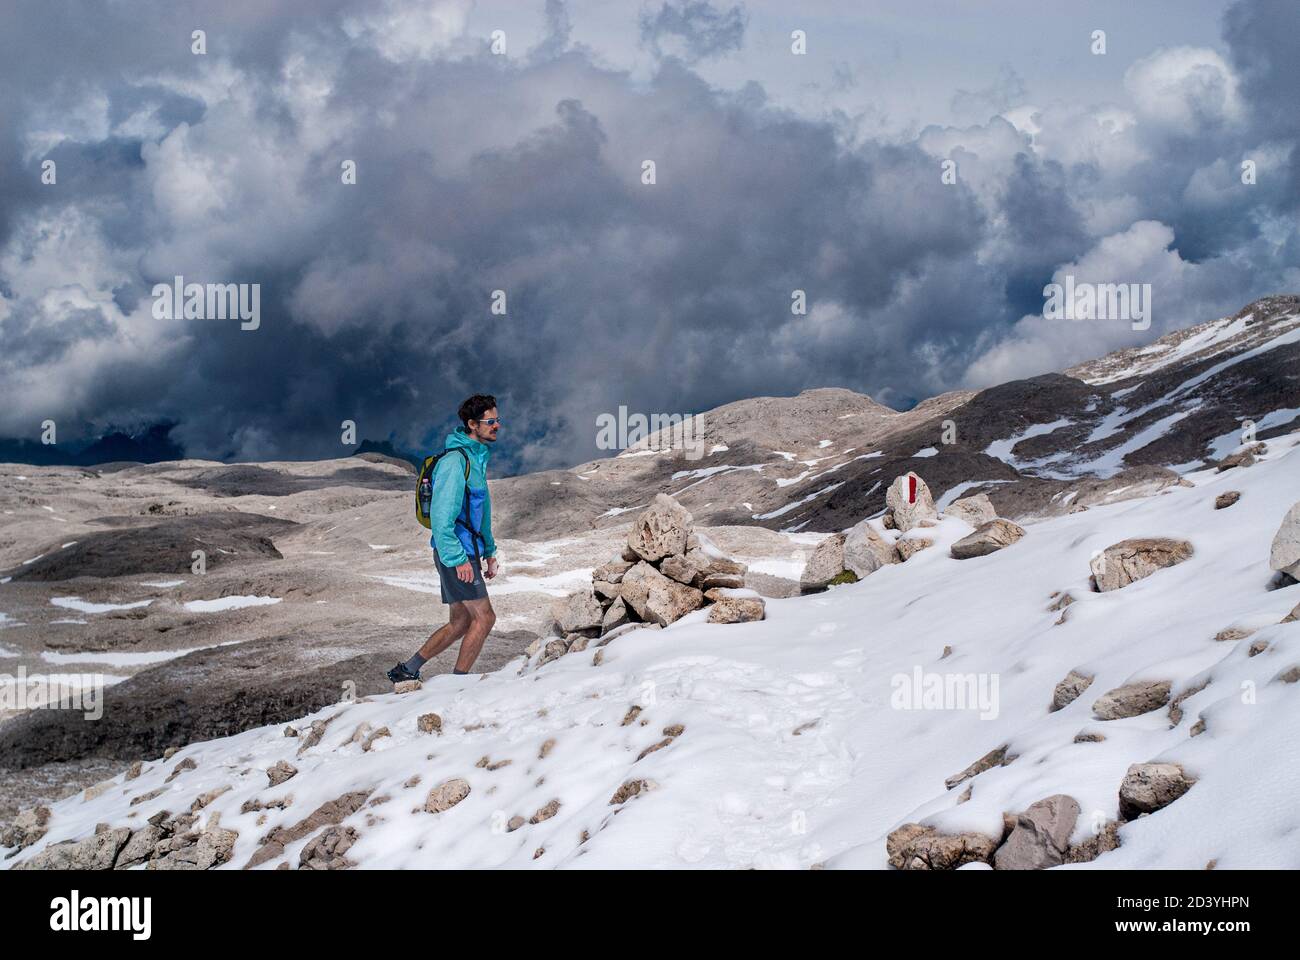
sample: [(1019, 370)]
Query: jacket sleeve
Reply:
[(489, 544), (448, 499)]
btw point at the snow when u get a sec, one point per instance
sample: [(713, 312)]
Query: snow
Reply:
[(780, 511), (125, 659), (927, 452), (739, 788), (166, 584), (615, 511), (1112, 461), (229, 603), (83, 606), (955, 493), (1001, 449)]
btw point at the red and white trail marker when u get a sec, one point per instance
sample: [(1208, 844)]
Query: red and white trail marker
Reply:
[(911, 488)]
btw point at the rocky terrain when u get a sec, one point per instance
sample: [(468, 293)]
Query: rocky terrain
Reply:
[(1126, 425), (314, 578)]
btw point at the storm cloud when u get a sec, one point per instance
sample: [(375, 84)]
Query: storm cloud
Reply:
[(524, 173)]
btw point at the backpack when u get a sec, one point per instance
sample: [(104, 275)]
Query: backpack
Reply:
[(424, 487)]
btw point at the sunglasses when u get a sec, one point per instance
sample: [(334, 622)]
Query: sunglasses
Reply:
[(492, 422)]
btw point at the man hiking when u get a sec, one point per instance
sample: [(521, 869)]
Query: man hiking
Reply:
[(460, 515)]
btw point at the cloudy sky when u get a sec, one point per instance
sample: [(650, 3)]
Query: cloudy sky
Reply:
[(521, 170)]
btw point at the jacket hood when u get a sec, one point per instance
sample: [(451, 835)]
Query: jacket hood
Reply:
[(460, 439)]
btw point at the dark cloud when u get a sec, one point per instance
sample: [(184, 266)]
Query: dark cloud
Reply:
[(479, 173)]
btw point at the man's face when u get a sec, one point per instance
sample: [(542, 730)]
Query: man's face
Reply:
[(485, 429)]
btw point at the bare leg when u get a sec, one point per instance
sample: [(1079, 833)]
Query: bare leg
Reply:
[(482, 617), (448, 633)]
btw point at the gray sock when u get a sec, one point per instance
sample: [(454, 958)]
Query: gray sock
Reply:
[(414, 664)]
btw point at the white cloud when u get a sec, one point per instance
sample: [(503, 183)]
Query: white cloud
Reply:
[(1184, 87)]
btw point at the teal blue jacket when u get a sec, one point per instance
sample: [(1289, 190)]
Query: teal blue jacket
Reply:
[(453, 541)]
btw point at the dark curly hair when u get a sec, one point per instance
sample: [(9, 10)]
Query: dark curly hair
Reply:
[(475, 407)]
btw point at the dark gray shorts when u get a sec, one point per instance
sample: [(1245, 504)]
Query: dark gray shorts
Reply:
[(455, 590)]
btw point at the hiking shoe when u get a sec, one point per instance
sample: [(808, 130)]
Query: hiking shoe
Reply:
[(400, 673)]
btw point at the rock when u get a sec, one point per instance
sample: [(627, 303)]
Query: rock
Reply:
[(135, 770), (997, 757), (977, 510), (908, 512), (630, 789), (915, 847), (1175, 705), (1061, 601), (615, 616), (1069, 689), (514, 823), (1242, 458), (578, 611), (1233, 633), (1285, 553), (612, 572), (907, 546), (723, 572), (1130, 560), (282, 771), (330, 813), (546, 812), (369, 742), (140, 847), (866, 551), (98, 790), (577, 643), (825, 563), (96, 852), (987, 538), (408, 686), (661, 529), (1106, 839), (1226, 499), (653, 747), (446, 795), (737, 610), (1132, 699), (28, 827), (1148, 787), (1041, 836), (326, 851), (681, 568), (429, 723), (657, 599), (203, 800), (553, 651), (606, 592), (1291, 617), (186, 764)]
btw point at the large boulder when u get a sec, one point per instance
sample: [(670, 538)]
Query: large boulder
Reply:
[(1147, 787), (661, 530), (1130, 560), (987, 538), (1132, 699), (1041, 836), (1285, 554), (578, 611), (906, 511), (866, 551), (977, 510), (825, 564), (656, 598)]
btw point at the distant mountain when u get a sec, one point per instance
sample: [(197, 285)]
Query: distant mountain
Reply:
[(152, 444), (1122, 426)]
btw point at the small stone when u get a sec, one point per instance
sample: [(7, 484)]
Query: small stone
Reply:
[(1226, 499), (408, 686), (282, 771), (446, 795), (429, 723)]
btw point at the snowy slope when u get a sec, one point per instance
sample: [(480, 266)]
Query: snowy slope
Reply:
[(738, 787)]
